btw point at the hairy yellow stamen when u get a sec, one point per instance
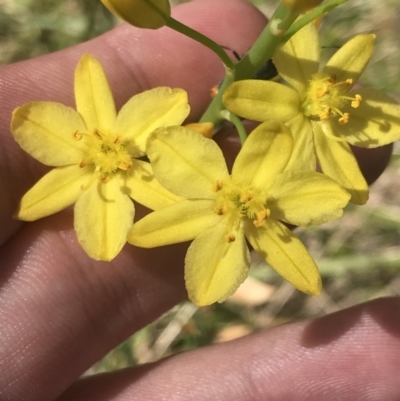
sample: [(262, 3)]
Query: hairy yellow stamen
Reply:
[(261, 216), (230, 238), (105, 151), (77, 136), (325, 98), (217, 186), (238, 202), (344, 119)]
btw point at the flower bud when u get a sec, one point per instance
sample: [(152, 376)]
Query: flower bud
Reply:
[(152, 14)]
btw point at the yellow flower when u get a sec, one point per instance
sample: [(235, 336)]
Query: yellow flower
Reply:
[(95, 152), (151, 14), (322, 111), (221, 210)]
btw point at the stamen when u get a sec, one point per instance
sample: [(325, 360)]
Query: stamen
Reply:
[(344, 119), (325, 114), (326, 98), (77, 136), (356, 102), (214, 91), (323, 91), (230, 238), (221, 210), (125, 166), (217, 186), (104, 178), (82, 164), (246, 197), (97, 134), (261, 216)]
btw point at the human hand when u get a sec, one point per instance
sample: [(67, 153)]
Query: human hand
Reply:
[(61, 311)]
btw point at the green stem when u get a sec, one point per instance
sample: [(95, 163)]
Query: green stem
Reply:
[(204, 40), (262, 50), (311, 16), (279, 29), (264, 47), (237, 122)]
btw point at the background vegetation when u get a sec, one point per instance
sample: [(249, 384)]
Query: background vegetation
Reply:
[(359, 255)]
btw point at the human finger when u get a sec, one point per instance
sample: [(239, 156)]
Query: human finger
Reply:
[(61, 311), (350, 355)]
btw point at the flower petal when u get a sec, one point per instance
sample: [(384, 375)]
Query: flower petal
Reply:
[(307, 198), (214, 267), (57, 190), (375, 123), (103, 217), (298, 58), (141, 185), (338, 162), (179, 222), (150, 14), (45, 130), (284, 252), (149, 110), (94, 100), (303, 155), (265, 154), (351, 59), (185, 162), (262, 100)]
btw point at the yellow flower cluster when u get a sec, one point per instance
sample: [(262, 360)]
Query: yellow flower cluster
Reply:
[(98, 155), (325, 114)]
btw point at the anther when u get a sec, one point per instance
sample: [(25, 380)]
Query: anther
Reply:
[(214, 91), (344, 119), (217, 186), (246, 197), (325, 114), (82, 164), (230, 238), (356, 102), (104, 178), (261, 216), (221, 210), (96, 133), (125, 166), (77, 136), (322, 92)]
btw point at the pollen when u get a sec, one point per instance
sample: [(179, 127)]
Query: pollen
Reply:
[(326, 98)]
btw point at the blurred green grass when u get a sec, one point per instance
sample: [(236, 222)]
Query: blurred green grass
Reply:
[(358, 255)]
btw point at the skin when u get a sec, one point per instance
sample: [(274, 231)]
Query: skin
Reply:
[(60, 311)]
